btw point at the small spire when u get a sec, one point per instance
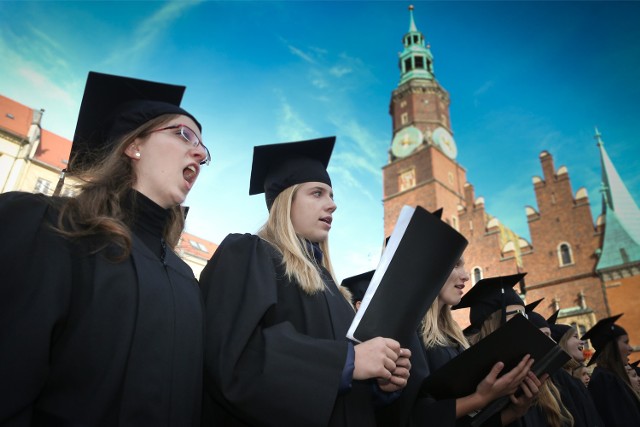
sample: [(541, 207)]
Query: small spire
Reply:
[(412, 24), (598, 138), (416, 60)]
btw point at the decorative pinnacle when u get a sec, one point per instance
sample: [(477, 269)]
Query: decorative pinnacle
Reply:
[(412, 24), (598, 138)]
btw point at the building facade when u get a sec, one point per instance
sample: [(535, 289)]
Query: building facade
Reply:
[(564, 259)]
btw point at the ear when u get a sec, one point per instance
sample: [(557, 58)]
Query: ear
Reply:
[(132, 151)]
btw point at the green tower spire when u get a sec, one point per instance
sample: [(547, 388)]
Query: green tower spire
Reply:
[(416, 60), (621, 243)]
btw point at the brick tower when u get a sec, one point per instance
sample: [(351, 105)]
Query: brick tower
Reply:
[(422, 167)]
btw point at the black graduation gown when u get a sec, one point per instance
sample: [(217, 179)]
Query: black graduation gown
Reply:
[(274, 355), (411, 409), (614, 399), (436, 358), (577, 400), (91, 342)]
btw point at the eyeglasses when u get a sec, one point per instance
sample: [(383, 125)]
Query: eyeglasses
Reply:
[(509, 313), (190, 136)]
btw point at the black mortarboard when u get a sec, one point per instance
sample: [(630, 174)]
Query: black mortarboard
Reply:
[(634, 365), (113, 106), (551, 320), (358, 284), (537, 320), (558, 330), (490, 295), (277, 167), (602, 333), (534, 317), (532, 306)]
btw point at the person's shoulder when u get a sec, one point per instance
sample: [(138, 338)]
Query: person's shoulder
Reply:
[(22, 198), (246, 241), (29, 206)]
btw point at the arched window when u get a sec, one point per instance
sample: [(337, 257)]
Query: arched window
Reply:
[(477, 275), (565, 256)]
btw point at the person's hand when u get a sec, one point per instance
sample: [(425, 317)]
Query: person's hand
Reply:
[(530, 388), (400, 375), (492, 387), (376, 358)]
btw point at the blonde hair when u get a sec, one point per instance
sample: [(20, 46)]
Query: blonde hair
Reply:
[(548, 398), (297, 257), (98, 208), (440, 329)]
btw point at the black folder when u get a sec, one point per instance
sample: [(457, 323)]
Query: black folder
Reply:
[(509, 344), (423, 260)]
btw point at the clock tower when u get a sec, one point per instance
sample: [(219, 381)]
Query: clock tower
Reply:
[(422, 168)]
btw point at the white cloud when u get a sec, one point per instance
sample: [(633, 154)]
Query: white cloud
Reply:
[(339, 70), (483, 89), (149, 31), (291, 127), (300, 54)]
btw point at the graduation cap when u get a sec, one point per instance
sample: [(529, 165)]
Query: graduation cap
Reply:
[(112, 106), (358, 284), (277, 167), (634, 365), (489, 295), (551, 320), (603, 333), (535, 318), (532, 306)]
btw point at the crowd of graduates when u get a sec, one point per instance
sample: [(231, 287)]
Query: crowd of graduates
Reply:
[(101, 324)]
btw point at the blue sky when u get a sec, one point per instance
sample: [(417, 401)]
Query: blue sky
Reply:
[(523, 77)]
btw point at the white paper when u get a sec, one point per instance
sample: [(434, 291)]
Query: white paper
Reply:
[(394, 241)]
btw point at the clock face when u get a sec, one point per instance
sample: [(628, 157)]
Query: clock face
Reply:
[(444, 140), (405, 141)]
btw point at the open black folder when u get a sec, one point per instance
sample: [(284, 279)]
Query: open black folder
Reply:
[(417, 261), (509, 344)]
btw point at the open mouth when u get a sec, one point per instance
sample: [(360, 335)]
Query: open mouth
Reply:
[(189, 174), (326, 219)]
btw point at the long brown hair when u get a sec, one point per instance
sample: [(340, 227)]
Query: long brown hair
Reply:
[(611, 360), (97, 211)]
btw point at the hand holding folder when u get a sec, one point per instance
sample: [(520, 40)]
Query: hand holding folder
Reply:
[(509, 344), (416, 263)]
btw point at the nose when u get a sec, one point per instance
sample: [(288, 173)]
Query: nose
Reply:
[(332, 206), (200, 153), (465, 276)]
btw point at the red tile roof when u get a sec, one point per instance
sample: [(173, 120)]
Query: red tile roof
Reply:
[(53, 150), (15, 117), (196, 246)]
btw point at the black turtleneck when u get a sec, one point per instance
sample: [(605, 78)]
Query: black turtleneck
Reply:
[(147, 221)]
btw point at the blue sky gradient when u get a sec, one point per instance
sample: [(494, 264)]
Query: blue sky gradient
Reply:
[(523, 77)]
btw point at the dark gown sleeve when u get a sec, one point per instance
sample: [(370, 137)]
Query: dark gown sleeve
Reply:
[(259, 370), (614, 399), (33, 300)]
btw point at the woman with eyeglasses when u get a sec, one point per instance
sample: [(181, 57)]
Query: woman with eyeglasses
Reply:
[(100, 321)]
